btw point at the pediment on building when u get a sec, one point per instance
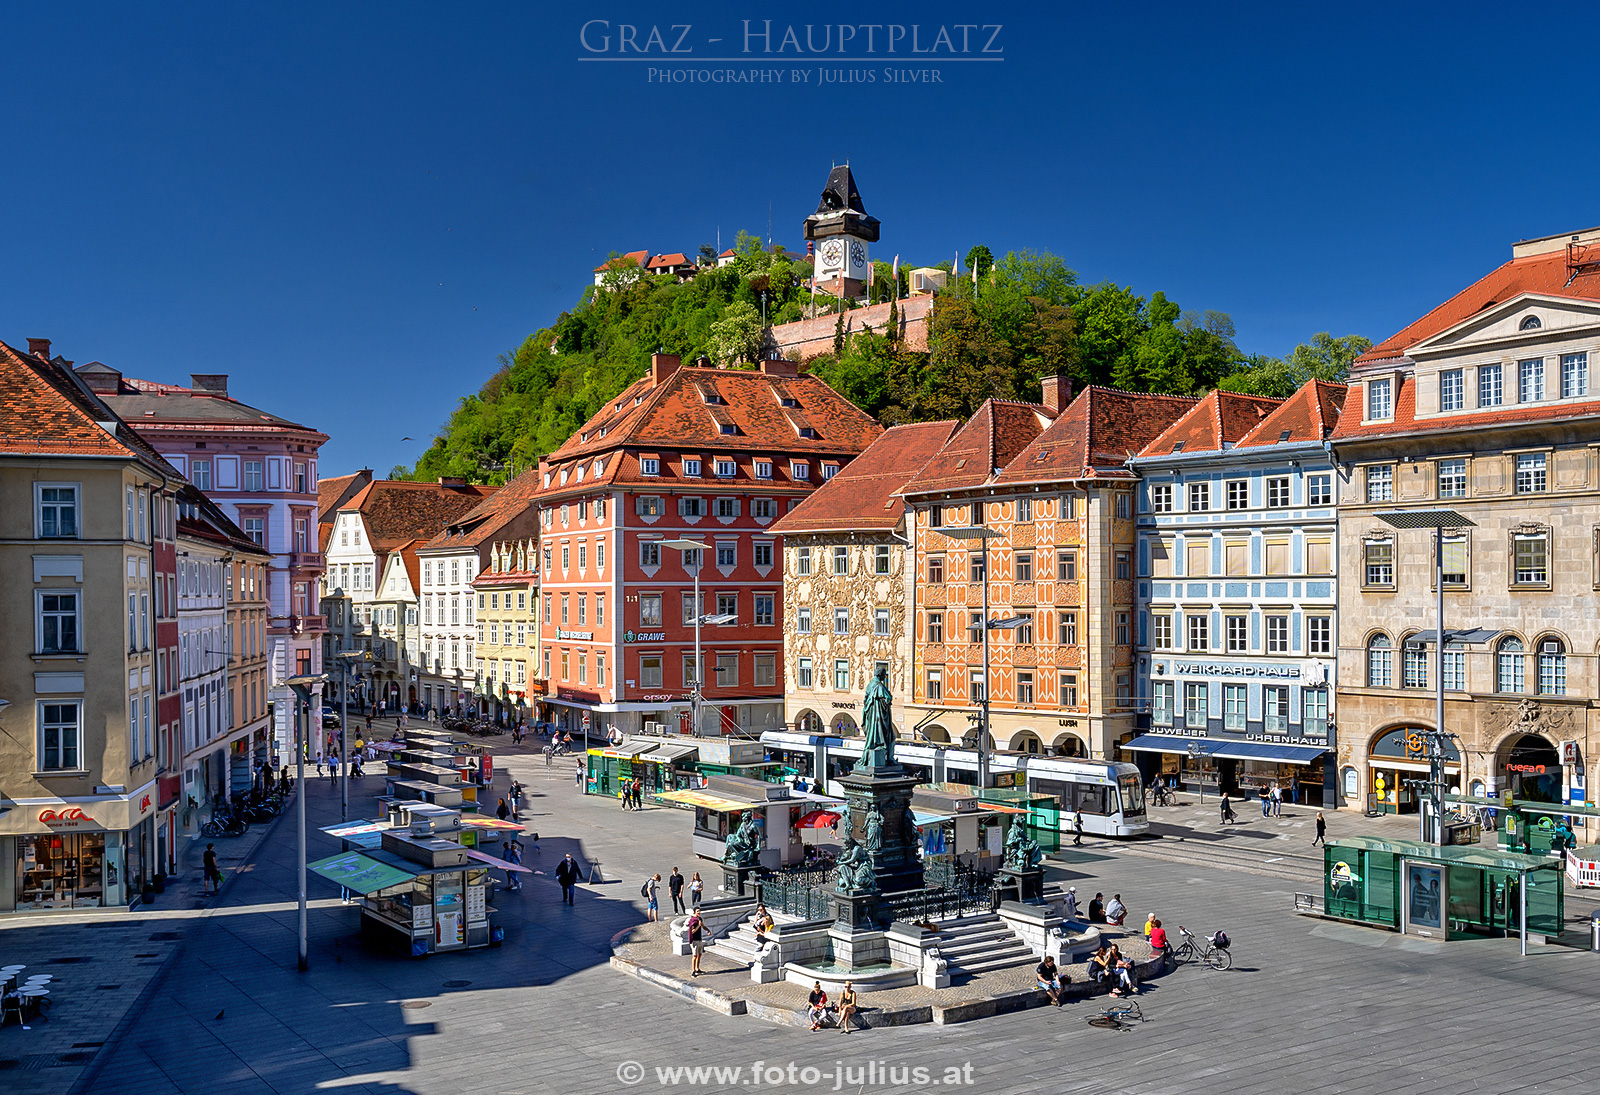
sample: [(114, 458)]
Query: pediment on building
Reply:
[(1526, 319)]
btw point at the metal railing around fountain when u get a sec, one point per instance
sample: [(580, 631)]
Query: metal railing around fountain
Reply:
[(802, 893), (953, 889)]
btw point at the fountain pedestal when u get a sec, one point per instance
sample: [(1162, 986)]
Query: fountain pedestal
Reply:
[(1027, 885), (739, 881), (881, 821)]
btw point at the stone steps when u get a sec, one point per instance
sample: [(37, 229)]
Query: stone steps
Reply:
[(977, 944)]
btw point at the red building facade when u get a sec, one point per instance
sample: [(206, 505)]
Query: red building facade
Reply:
[(692, 453)]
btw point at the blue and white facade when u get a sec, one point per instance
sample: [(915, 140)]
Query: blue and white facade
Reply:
[(1237, 618)]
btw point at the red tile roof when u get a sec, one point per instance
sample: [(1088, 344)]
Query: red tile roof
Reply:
[(1351, 426), (488, 518), (677, 258), (864, 494), (632, 258), (1545, 274), (1310, 414), (988, 441), (1220, 419), (1095, 435), (44, 410), (674, 416), (397, 512)]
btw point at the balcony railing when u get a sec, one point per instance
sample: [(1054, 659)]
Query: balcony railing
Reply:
[(306, 560)]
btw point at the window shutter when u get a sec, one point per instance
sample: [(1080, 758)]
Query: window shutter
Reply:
[(1319, 559), (1455, 556)]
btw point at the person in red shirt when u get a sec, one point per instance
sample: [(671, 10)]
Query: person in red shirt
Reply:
[(1158, 941)]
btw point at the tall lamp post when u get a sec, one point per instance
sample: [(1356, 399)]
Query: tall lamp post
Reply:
[(982, 534), (347, 659), (696, 697), (302, 687), (1437, 520)]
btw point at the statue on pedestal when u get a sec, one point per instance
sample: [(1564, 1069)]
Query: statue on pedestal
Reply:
[(855, 874), (743, 847), (874, 827), (1022, 851), (878, 751)]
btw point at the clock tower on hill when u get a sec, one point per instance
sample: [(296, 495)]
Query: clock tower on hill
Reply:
[(840, 230)]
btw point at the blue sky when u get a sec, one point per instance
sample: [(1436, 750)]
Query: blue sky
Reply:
[(352, 210)]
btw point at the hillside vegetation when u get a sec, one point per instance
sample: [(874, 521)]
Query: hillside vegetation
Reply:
[(1024, 316)]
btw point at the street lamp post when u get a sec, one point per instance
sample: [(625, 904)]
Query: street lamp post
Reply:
[(696, 697), (301, 686), (982, 534), (1438, 520)]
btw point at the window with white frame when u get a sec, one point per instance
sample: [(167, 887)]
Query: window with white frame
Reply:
[(1319, 635), (1025, 509), (841, 675), (1491, 385), (1236, 630), (1277, 634), (1380, 399), (1453, 478), (1235, 699), (1278, 492), (1380, 662), (1238, 494), (648, 465), (1455, 668), (1196, 704), (1161, 498), (764, 609), (803, 621), (1275, 709), (805, 673), (1413, 664), (1574, 375), (252, 476), (1069, 690), (1067, 627), (1319, 490), (880, 621), (766, 670), (691, 468), (60, 615), (57, 510), (1161, 703), (1161, 631), (841, 560), (841, 621), (1199, 626), (1509, 658), (763, 469), (1314, 712), (1452, 390), (1380, 483), (1530, 380), (60, 736), (799, 470), (802, 561), (1025, 687), (1531, 559), (1531, 472), (935, 684), (1199, 497), (727, 553), (880, 560), (1552, 667), (726, 469), (200, 474), (649, 553), (1379, 562)]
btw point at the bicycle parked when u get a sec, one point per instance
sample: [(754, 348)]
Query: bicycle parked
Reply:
[(1119, 1016), (1159, 794), (1214, 952), (225, 822)]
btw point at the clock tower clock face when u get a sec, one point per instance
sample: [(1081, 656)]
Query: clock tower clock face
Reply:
[(858, 256), (832, 255)]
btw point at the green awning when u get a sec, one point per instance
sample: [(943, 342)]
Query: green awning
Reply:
[(1462, 855), (360, 873)]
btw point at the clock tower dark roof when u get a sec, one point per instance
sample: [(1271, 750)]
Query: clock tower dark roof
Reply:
[(841, 211)]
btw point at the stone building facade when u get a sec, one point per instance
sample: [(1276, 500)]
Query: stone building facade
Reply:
[(1486, 410)]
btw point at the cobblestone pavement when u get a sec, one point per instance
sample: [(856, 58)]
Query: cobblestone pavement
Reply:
[(1310, 1006)]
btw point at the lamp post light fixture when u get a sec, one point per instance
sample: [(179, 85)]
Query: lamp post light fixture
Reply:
[(1437, 520), (302, 686), (983, 534), (696, 697)]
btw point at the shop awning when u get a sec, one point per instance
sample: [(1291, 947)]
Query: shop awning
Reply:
[(709, 801), (1227, 749), (671, 753), (628, 749), (469, 822), (492, 861), (360, 873), (363, 834), (924, 818)]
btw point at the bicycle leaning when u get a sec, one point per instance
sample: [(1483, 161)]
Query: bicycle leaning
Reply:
[(1214, 952)]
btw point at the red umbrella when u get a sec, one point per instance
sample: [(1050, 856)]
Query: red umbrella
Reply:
[(818, 819)]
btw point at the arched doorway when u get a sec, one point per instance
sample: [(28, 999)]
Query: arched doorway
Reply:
[(1069, 745), (1397, 759), (1026, 741), (843, 726), (809, 722), (1531, 766), (936, 734)]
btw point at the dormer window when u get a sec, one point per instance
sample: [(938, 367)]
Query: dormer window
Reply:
[(808, 432), (729, 428), (829, 470), (788, 401), (725, 469), (1530, 323), (1380, 399), (691, 468), (649, 466)]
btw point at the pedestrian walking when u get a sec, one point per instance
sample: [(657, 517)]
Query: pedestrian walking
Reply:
[(1069, 908), (1266, 803), (1322, 831), (319, 763), (514, 857), (1077, 826), (333, 771), (651, 891), (696, 889), (1277, 801), (638, 794), (212, 872), (675, 889), (1227, 810), (502, 811), (625, 793), (577, 774), (567, 876), (516, 800)]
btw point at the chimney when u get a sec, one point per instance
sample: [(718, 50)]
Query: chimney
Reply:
[(702, 362), (209, 383), (454, 482), (777, 366), (39, 347), (1057, 392), (662, 366), (101, 380)]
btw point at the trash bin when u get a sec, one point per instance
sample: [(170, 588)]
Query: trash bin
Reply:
[(1594, 931)]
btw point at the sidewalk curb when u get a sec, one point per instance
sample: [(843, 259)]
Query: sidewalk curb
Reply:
[(91, 1072)]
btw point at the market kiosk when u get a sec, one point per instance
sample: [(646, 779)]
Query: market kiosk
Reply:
[(421, 885), (722, 805)]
